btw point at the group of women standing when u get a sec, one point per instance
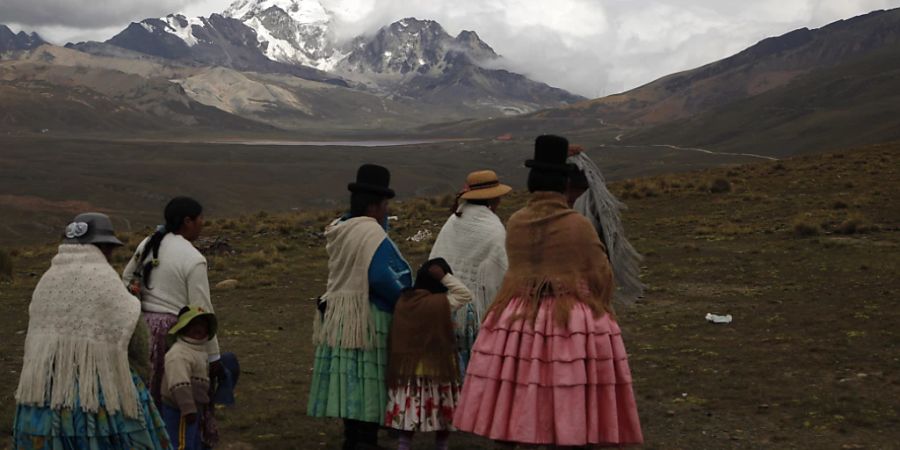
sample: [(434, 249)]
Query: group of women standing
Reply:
[(505, 332), (523, 347), (96, 339)]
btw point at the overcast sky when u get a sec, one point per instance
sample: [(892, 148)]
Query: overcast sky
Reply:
[(590, 47)]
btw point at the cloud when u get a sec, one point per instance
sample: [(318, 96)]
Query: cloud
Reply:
[(596, 48), (85, 14), (589, 47)]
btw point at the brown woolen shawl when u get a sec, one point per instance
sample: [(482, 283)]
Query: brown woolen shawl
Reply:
[(422, 336), (554, 255)]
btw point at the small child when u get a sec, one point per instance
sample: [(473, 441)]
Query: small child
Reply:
[(423, 367), (185, 385)]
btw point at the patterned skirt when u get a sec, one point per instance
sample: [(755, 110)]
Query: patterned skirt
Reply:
[(43, 428), (422, 405), (465, 325), (159, 324), (349, 383), (550, 384)]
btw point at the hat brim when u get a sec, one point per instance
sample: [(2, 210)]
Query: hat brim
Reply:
[(185, 319), (371, 189), (487, 193), (549, 167), (111, 240)]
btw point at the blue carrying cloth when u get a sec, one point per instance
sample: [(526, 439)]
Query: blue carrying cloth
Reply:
[(224, 389)]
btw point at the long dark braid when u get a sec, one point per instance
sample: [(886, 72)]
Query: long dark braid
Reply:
[(178, 209)]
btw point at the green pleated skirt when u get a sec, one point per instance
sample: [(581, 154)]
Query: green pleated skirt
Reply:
[(349, 383)]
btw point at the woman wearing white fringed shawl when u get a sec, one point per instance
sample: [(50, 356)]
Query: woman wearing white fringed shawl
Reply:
[(77, 388), (587, 194), (473, 242)]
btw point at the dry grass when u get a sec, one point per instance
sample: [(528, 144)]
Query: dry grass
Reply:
[(804, 227), (6, 264), (811, 360)]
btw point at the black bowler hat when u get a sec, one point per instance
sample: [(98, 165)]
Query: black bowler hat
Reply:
[(550, 153), (372, 179)]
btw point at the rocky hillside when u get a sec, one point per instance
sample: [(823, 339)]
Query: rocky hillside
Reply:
[(62, 91)]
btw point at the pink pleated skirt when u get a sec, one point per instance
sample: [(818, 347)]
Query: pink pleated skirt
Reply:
[(550, 384)]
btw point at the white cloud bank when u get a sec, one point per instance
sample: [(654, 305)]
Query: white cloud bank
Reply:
[(590, 47)]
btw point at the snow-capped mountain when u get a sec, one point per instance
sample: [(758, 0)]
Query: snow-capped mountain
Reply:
[(412, 46), (214, 41), (291, 31), (411, 60), (418, 59)]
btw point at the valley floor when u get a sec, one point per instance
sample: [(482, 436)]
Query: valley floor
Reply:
[(804, 253)]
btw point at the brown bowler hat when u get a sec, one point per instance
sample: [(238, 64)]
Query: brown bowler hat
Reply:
[(483, 185)]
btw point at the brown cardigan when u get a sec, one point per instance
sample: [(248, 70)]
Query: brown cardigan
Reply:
[(554, 254)]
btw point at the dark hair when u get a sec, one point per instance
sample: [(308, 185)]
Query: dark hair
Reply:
[(543, 180), (424, 280), (456, 210), (178, 209), (360, 202), (577, 179)]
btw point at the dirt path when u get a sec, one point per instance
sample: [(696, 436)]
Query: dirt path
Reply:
[(691, 149)]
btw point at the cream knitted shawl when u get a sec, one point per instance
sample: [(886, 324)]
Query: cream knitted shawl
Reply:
[(474, 246), (348, 320), (81, 318)]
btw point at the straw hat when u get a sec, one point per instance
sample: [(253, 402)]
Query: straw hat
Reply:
[(483, 185)]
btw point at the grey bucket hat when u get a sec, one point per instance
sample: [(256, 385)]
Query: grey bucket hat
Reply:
[(91, 228)]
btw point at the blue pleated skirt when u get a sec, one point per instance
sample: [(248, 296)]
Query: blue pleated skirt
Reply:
[(44, 428)]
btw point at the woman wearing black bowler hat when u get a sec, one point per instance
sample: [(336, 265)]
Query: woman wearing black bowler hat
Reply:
[(549, 365), (366, 274)]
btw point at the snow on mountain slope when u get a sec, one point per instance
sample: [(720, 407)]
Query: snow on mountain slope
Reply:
[(291, 31)]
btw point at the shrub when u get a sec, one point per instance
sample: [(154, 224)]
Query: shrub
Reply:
[(803, 227), (855, 224), (258, 259), (6, 264), (720, 186), (839, 204)]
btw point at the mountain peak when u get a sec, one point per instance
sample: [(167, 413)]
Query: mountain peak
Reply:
[(10, 41), (300, 11), (290, 31)]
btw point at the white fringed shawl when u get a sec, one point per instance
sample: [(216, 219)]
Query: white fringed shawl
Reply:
[(348, 320), (81, 319), (602, 208), (475, 247)]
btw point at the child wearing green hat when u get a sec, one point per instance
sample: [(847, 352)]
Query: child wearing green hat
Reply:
[(185, 385)]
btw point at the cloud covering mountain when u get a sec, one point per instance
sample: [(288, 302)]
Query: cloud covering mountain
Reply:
[(589, 47)]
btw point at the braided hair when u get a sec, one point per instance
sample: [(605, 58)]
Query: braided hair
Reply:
[(178, 209)]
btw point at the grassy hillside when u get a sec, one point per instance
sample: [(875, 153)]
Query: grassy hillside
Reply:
[(803, 253), (853, 103), (772, 63)]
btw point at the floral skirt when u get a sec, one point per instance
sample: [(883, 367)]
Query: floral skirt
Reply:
[(546, 383), (422, 405), (63, 429), (349, 383)]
